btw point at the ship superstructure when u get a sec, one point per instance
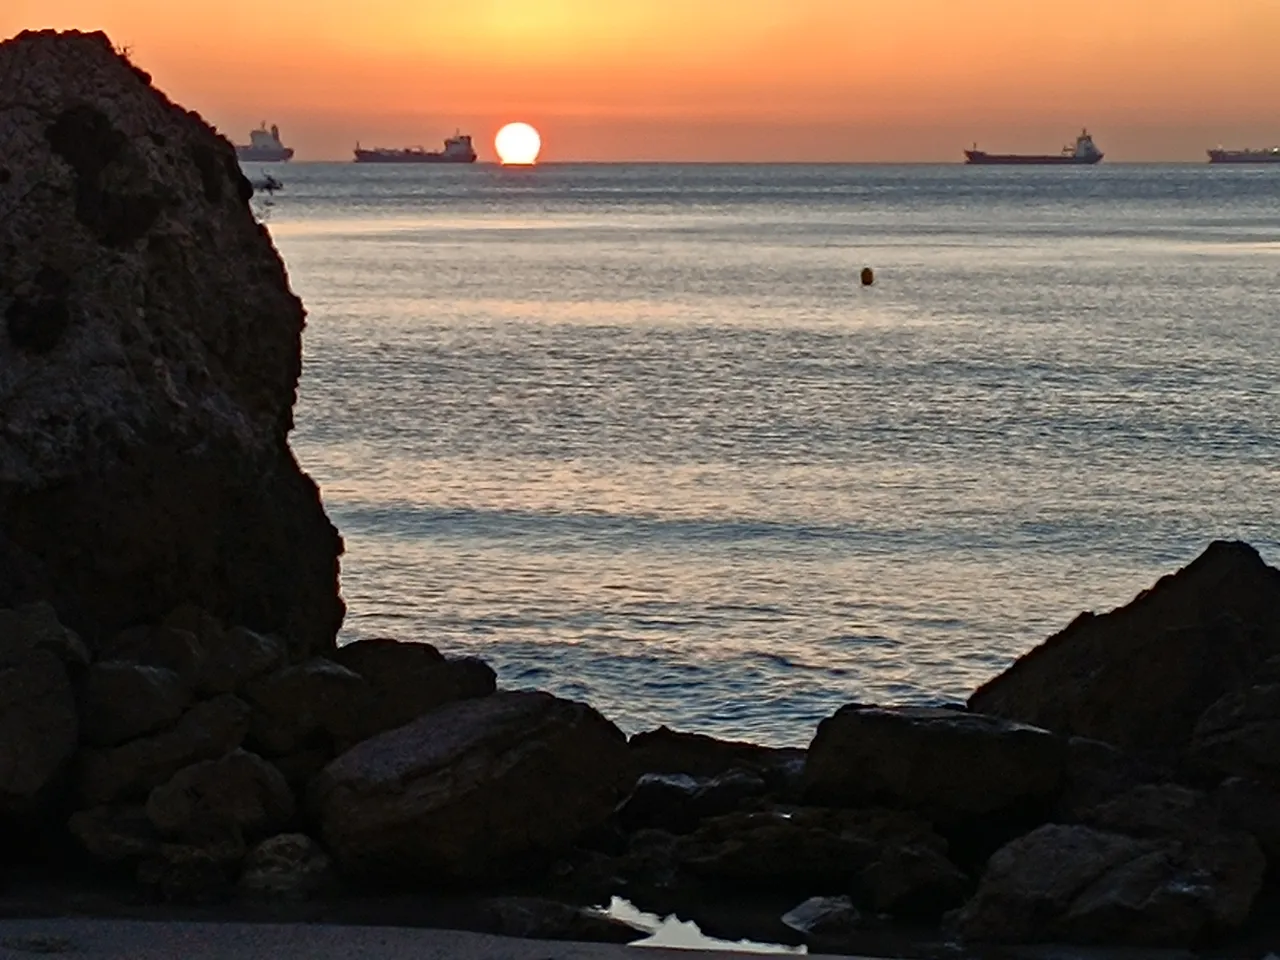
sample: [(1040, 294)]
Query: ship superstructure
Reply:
[(1084, 152)]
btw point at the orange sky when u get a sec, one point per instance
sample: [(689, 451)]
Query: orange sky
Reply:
[(856, 80)]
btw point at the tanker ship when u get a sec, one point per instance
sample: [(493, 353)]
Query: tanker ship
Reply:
[(1267, 155), (457, 149), (1083, 152)]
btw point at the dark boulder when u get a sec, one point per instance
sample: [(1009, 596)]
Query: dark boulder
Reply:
[(132, 770), (149, 358), (827, 924), (1254, 808), (890, 862), (661, 801), (677, 802), (697, 755), (913, 880), (121, 701), (38, 728), (36, 626), (115, 834), (238, 657), (476, 790), (194, 872), (239, 794), (1097, 772), (295, 706), (124, 838), (406, 680), (1140, 676), (949, 765), (1077, 884), (290, 867), (1239, 735), (159, 645), (1156, 810)]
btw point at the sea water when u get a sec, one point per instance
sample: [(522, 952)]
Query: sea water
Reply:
[(636, 434)]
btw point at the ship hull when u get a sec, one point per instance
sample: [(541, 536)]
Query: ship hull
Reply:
[(978, 158), (256, 155), (368, 156), (1244, 156)]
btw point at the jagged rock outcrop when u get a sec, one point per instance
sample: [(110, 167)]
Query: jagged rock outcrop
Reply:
[(1141, 676), (149, 357), (477, 790)]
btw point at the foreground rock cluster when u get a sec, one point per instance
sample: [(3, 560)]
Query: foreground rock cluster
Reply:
[(192, 761), (177, 722)]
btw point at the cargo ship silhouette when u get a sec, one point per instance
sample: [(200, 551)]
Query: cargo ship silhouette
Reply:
[(1266, 155), (457, 149), (1084, 152), (264, 146)]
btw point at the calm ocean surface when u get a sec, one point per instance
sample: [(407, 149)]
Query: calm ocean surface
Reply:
[(635, 435)]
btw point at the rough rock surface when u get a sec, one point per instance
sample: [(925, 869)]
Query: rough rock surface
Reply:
[(120, 701), (1140, 676), (1254, 808), (115, 834), (697, 755), (676, 802), (1075, 884), (892, 861), (294, 707), (476, 790), (290, 866), (406, 680), (36, 625), (1239, 735), (158, 646), (947, 764), (149, 357), (194, 873), (132, 770), (237, 795), (38, 725), (1097, 772)]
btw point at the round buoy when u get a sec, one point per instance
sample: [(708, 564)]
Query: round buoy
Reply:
[(868, 276)]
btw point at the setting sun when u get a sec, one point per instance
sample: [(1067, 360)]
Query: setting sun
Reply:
[(518, 144)]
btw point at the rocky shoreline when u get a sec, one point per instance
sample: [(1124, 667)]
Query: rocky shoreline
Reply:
[(205, 770), (180, 734)]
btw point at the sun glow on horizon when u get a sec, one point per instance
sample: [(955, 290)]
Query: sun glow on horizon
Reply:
[(518, 145), (766, 80)]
